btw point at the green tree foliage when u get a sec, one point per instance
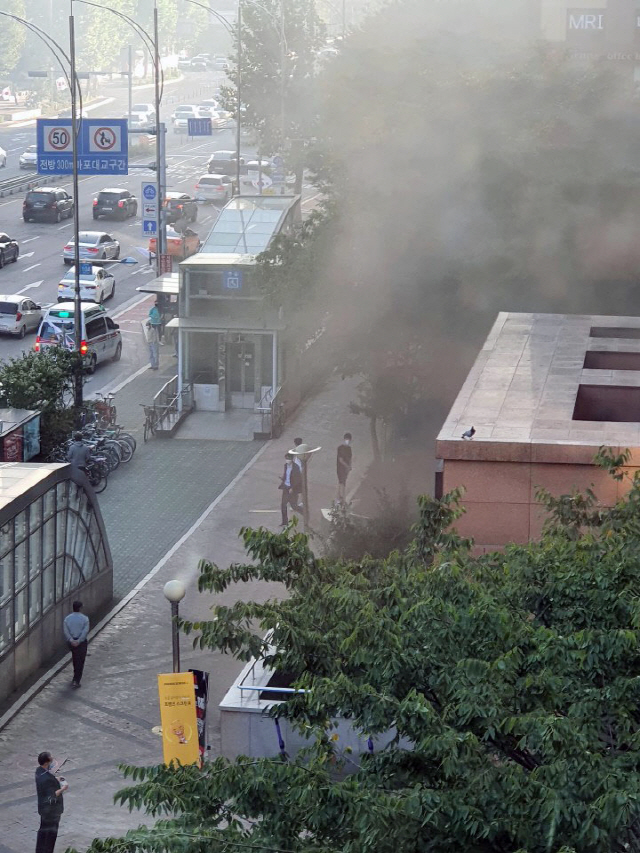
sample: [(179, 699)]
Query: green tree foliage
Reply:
[(12, 36), (41, 382), (511, 682)]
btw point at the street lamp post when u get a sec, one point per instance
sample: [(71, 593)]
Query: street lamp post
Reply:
[(174, 592), (304, 454)]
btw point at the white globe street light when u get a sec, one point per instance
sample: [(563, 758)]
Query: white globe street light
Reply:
[(174, 591)]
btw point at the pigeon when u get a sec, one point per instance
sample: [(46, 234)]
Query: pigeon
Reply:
[(468, 435)]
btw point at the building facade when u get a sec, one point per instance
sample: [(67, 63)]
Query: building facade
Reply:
[(53, 549)]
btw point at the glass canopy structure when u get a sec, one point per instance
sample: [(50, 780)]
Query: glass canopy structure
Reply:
[(247, 224)]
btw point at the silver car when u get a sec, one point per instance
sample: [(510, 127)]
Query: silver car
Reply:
[(29, 158), (95, 246), (19, 315)]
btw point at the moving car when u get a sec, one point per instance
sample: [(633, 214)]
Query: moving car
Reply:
[(214, 188), (115, 202), (180, 206), (94, 246), (184, 63), (52, 203), (3, 157), (223, 163), (141, 121), (19, 315), (101, 339), (180, 244), (96, 286), (29, 158), (144, 108), (197, 64), (9, 250)]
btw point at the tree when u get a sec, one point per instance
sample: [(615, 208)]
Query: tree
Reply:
[(12, 36), (41, 381), (510, 680)]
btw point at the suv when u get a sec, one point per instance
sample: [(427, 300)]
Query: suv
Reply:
[(180, 206), (115, 202), (101, 338), (214, 188), (223, 163), (52, 203), (19, 315)]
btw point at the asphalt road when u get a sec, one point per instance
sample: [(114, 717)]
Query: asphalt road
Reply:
[(40, 266)]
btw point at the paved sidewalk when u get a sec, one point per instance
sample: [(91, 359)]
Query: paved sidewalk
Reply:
[(110, 719)]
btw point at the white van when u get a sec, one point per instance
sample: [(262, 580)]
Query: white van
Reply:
[(101, 338)]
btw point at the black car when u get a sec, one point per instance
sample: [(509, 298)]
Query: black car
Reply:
[(115, 203), (9, 249), (224, 163), (52, 203), (180, 206)]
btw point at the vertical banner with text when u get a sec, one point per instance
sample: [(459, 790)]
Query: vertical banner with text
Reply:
[(178, 718), (201, 683)]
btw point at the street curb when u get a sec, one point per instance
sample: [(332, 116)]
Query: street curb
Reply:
[(42, 682)]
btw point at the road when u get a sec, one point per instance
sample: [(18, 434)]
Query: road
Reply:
[(40, 266)]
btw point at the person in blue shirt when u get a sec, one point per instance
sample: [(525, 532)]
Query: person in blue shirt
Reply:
[(76, 629)]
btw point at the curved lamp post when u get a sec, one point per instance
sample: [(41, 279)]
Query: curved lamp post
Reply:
[(304, 454), (174, 591)]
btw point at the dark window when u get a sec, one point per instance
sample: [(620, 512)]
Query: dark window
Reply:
[(110, 197), (95, 328), (8, 308), (46, 197), (111, 324)]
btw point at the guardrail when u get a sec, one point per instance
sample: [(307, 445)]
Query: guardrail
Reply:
[(21, 182)]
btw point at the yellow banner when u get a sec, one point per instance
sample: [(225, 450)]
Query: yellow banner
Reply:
[(178, 718)]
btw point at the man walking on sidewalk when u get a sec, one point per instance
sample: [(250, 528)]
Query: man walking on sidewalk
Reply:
[(50, 802), (291, 486), (76, 629), (153, 342), (344, 460)]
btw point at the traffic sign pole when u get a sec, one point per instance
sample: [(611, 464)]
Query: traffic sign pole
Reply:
[(77, 395)]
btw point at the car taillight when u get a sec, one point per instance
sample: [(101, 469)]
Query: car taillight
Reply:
[(84, 349), (178, 207), (92, 249), (19, 315), (36, 346), (120, 204), (68, 248), (95, 202)]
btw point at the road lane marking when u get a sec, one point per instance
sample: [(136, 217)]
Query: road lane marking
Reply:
[(66, 225), (29, 286), (32, 267), (27, 254), (30, 240)]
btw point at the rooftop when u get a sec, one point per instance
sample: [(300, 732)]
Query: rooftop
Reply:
[(16, 478), (247, 224), (543, 383)]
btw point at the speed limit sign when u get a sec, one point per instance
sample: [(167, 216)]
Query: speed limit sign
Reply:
[(57, 140)]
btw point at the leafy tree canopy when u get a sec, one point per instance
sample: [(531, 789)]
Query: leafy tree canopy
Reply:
[(512, 682)]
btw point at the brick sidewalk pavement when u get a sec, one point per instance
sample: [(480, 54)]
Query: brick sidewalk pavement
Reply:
[(110, 719)]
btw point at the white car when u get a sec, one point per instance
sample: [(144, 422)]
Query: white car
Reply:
[(182, 114), (94, 246), (96, 286), (3, 157), (141, 121), (214, 188), (29, 158), (144, 108), (19, 315)]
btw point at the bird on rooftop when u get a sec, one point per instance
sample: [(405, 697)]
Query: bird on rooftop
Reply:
[(468, 435)]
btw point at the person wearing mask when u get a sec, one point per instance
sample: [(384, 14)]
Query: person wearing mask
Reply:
[(50, 803), (344, 460), (291, 486), (76, 629), (78, 454)]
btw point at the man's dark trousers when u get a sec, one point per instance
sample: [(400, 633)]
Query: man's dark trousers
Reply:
[(292, 499), (78, 655), (48, 833)]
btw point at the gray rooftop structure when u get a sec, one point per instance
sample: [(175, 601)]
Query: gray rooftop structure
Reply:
[(247, 224)]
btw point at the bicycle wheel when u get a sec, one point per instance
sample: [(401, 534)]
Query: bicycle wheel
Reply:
[(126, 436), (113, 451), (127, 450), (97, 474)]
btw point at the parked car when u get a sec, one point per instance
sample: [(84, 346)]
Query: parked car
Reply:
[(29, 158), (214, 188), (180, 206), (3, 157), (94, 246), (9, 250), (19, 315), (180, 244), (96, 286), (101, 338), (52, 203), (224, 163), (115, 202)]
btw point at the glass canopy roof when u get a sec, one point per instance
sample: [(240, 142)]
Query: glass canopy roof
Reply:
[(247, 224)]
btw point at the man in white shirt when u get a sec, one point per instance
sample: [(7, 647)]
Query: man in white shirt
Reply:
[(76, 629)]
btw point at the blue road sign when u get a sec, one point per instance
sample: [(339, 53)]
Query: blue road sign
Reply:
[(199, 127), (103, 146), (149, 227), (232, 280), (85, 269), (149, 191)]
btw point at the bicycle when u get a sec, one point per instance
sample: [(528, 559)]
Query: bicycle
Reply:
[(151, 420), (106, 408)]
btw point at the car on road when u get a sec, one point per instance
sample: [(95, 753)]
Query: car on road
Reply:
[(115, 202), (224, 163), (52, 203), (149, 109), (209, 104), (140, 121), (94, 246), (214, 189), (180, 244), (197, 64), (29, 158), (9, 249), (184, 64), (19, 315), (100, 336), (96, 286), (180, 206), (221, 63), (183, 113), (3, 157)]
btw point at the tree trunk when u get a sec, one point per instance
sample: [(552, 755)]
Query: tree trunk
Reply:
[(375, 444)]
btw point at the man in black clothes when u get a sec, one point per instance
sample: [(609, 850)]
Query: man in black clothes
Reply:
[(50, 802), (343, 465), (291, 486)]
